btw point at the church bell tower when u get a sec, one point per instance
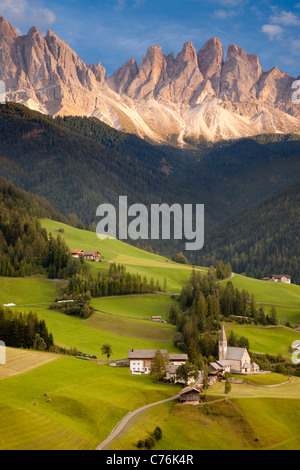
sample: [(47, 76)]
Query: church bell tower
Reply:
[(222, 345)]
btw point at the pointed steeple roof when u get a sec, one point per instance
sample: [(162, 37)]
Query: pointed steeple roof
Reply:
[(222, 336)]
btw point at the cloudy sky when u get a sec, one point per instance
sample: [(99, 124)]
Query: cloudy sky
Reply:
[(112, 31)]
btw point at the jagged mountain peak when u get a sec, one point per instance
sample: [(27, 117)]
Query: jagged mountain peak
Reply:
[(191, 96), (6, 29), (188, 53)]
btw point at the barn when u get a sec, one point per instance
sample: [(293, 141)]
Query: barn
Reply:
[(189, 395)]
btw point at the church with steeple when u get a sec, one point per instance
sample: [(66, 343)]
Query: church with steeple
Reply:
[(237, 359)]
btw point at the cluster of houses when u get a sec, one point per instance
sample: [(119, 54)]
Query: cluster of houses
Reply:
[(87, 255), (231, 359), (279, 278)]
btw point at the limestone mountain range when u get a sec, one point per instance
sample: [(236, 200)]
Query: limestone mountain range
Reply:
[(167, 99)]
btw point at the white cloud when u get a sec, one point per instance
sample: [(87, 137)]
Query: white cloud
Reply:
[(20, 10), (286, 18), (272, 30), (13, 7), (44, 15), (223, 14)]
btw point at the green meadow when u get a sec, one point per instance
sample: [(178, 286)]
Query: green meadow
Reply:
[(264, 379), (284, 297), (253, 418), (135, 260), (137, 306), (28, 291), (270, 339), (87, 401), (87, 337)]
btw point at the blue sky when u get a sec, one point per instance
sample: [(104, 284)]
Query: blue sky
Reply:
[(112, 31)]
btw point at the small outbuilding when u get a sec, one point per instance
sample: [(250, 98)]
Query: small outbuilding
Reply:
[(157, 318), (189, 395)]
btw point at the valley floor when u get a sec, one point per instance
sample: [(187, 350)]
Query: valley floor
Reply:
[(88, 399)]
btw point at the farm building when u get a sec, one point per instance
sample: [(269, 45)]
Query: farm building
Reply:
[(76, 253), (92, 256), (285, 278), (87, 255), (189, 395), (140, 360), (156, 318), (178, 359)]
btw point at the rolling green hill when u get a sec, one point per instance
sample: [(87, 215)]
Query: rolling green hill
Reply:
[(88, 399), (252, 419)]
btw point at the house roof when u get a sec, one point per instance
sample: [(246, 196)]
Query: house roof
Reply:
[(235, 354), (172, 368), (91, 253), (188, 389), (144, 353), (223, 363), (178, 357), (215, 366)]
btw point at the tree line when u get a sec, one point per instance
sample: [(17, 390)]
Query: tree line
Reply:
[(21, 330), (25, 246), (202, 303), (115, 281)]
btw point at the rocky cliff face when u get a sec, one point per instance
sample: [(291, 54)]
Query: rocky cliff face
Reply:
[(167, 99)]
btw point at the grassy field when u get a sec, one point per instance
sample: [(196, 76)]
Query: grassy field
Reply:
[(263, 379), (75, 332), (136, 260), (28, 292), (217, 425), (87, 401), (85, 335), (132, 328), (272, 339), (19, 361), (138, 306), (284, 297)]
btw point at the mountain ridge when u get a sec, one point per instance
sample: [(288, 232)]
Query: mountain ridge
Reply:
[(167, 99)]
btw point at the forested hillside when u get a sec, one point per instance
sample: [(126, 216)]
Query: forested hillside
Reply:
[(263, 240), (25, 247), (74, 172), (78, 163)]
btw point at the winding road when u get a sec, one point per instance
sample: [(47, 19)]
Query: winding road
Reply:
[(116, 431)]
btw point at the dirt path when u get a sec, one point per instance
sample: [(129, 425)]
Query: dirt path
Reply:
[(228, 279), (116, 431)]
